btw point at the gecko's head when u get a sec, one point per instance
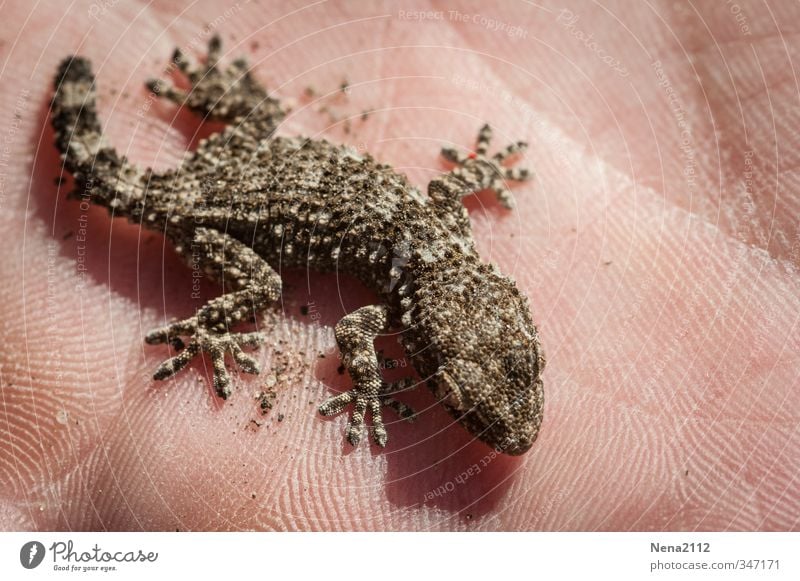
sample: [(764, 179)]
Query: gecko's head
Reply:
[(490, 361)]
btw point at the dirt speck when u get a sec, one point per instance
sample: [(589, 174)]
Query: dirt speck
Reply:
[(265, 400)]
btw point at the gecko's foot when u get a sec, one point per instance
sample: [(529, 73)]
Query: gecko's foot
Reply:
[(479, 171), (223, 93), (215, 343), (356, 426)]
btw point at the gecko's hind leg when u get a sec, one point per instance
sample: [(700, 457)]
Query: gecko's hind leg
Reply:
[(355, 335), (254, 285)]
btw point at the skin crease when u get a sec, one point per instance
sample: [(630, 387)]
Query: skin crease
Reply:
[(661, 267)]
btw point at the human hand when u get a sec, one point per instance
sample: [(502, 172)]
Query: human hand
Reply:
[(657, 244)]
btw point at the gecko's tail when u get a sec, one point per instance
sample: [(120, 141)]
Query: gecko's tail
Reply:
[(74, 114), (79, 135)]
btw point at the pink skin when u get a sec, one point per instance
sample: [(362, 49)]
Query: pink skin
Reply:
[(667, 301)]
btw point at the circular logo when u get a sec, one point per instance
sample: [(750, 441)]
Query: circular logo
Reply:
[(31, 554)]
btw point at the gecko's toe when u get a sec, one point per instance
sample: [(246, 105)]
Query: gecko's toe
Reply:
[(453, 155), (153, 85), (222, 384), (181, 61), (157, 337), (247, 339), (354, 433), (378, 429), (510, 150), (504, 196), (380, 436), (173, 365), (166, 370), (169, 333), (335, 405), (244, 361), (222, 379), (519, 174)]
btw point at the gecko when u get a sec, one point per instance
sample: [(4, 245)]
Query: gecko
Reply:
[(247, 202)]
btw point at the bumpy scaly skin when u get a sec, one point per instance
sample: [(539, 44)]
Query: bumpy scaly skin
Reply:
[(246, 200)]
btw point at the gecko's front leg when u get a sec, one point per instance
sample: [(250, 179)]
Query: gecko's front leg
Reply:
[(254, 284), (355, 335)]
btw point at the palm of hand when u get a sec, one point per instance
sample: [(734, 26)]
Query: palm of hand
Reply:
[(656, 245)]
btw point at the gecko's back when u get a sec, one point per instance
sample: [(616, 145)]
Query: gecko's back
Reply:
[(312, 204)]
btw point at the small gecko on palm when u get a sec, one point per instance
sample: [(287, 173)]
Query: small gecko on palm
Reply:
[(246, 201)]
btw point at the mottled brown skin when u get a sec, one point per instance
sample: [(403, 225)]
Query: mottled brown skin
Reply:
[(246, 201)]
